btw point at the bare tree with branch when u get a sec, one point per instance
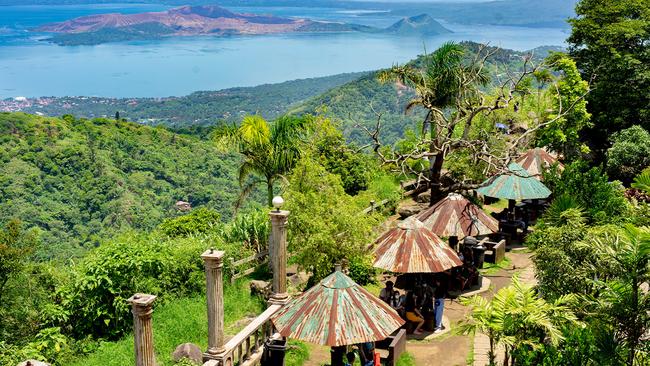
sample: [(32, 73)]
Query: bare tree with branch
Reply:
[(455, 92)]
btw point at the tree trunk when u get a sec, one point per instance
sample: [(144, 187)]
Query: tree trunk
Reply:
[(269, 196), (434, 177), (491, 355), (269, 192)]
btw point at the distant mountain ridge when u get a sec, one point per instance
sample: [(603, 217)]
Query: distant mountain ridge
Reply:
[(422, 24), (202, 19), (210, 20)]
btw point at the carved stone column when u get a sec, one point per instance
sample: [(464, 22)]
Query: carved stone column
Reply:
[(279, 256), (213, 260), (141, 307)]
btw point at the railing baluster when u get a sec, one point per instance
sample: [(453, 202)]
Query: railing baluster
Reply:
[(248, 348), (256, 346)]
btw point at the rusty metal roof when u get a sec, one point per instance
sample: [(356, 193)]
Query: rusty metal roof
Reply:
[(536, 160), (454, 215), (412, 248), (515, 185), (337, 312)]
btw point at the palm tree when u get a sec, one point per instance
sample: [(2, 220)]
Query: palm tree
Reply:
[(445, 80), (516, 317), (621, 300), (270, 150)]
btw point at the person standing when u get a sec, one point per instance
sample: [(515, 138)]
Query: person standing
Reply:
[(386, 293), (439, 303)]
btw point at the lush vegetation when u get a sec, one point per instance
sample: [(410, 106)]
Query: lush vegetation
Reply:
[(75, 311), (591, 308), (78, 181), (88, 212), (609, 42)]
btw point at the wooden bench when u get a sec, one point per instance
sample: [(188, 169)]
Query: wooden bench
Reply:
[(392, 347), (495, 251)]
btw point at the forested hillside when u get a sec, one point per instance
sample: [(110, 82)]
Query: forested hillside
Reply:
[(77, 181), (199, 108)]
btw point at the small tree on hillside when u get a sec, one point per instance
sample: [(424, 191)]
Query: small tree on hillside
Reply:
[(629, 154), (15, 245), (270, 150)]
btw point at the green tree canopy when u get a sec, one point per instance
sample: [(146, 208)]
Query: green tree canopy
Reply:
[(562, 135), (326, 226), (270, 150), (610, 42), (629, 154)]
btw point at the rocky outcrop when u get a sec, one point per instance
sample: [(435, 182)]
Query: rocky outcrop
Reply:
[(410, 210), (33, 363), (190, 351), (261, 288)]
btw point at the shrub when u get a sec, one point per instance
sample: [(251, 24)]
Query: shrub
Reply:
[(249, 228), (199, 221), (565, 261), (361, 270), (603, 201), (94, 302), (629, 154), (325, 226)]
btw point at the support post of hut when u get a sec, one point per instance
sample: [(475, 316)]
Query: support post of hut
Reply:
[(279, 256), (213, 261), (141, 307)]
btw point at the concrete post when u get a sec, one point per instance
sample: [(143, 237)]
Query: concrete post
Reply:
[(279, 256), (142, 329), (213, 260)]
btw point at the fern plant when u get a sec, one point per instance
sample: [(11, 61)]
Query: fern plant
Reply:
[(642, 181), (564, 210)]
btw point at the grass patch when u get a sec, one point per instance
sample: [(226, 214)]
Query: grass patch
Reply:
[(179, 321), (374, 288), (470, 355), (406, 359), (497, 206), (490, 269), (297, 353)]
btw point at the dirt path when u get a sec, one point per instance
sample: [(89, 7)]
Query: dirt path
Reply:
[(523, 267), (455, 349)]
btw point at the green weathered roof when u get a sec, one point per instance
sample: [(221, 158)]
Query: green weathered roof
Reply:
[(337, 312), (517, 184)]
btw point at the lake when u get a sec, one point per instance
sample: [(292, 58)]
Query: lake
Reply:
[(178, 66)]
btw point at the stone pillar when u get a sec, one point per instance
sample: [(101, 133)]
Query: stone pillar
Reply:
[(279, 256), (142, 329), (213, 260)]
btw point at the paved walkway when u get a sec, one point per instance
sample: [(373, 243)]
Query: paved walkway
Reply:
[(526, 271)]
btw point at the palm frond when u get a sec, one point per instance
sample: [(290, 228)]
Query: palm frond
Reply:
[(255, 130), (225, 137), (642, 181)]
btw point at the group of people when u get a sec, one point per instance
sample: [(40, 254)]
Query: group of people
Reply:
[(426, 301)]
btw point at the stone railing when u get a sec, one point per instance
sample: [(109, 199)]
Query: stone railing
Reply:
[(247, 346)]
